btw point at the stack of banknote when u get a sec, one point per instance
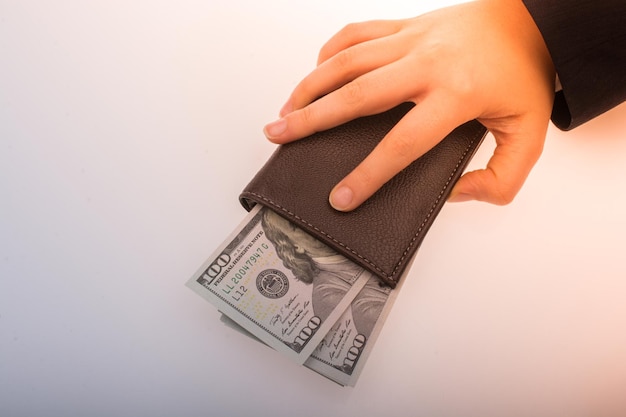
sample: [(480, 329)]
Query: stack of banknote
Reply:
[(293, 293)]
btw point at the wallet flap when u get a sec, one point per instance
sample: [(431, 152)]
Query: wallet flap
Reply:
[(384, 232)]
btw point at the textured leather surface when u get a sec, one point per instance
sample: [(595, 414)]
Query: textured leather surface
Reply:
[(384, 232)]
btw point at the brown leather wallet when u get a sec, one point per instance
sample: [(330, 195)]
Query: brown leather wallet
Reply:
[(384, 232)]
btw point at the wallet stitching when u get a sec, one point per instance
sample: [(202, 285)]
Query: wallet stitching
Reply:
[(343, 245), (432, 208), (413, 240)]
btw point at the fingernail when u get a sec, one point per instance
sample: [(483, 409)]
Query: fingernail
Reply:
[(276, 128), (341, 198), (460, 197), (286, 109)]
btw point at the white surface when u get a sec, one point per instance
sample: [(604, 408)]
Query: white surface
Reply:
[(127, 130)]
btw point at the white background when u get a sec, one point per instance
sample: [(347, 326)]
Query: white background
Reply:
[(127, 130)]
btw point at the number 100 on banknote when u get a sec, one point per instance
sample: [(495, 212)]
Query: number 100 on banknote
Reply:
[(264, 278)]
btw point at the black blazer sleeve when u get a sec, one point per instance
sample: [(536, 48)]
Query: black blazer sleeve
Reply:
[(587, 42)]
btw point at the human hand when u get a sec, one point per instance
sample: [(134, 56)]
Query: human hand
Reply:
[(482, 60)]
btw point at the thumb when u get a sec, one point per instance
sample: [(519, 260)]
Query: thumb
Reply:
[(513, 159)]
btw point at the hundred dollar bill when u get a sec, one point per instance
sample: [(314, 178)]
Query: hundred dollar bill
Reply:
[(279, 283), (343, 352)]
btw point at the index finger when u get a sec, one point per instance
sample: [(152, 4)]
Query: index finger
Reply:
[(371, 93)]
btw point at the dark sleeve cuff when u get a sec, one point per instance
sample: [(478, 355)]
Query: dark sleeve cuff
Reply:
[(587, 42)]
